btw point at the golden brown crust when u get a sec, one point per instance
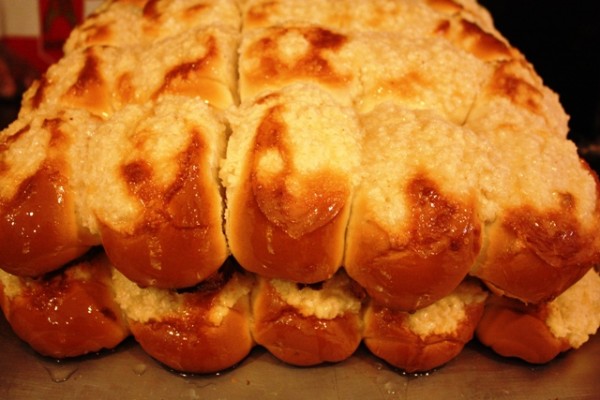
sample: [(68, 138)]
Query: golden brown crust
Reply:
[(527, 246), (388, 336), (513, 329), (191, 340), (185, 256), (104, 79), (412, 236), (197, 347), (282, 245), (472, 38), (442, 242), (79, 80), (540, 240), (319, 198), (67, 314), (298, 339), (288, 200), (40, 229), (179, 241), (154, 191), (280, 56), (310, 258), (207, 74)]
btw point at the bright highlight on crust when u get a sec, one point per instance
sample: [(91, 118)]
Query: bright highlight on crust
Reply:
[(209, 176)]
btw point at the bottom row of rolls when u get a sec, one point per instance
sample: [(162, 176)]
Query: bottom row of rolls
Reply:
[(89, 306)]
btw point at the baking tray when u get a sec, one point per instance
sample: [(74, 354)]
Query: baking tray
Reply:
[(128, 373)]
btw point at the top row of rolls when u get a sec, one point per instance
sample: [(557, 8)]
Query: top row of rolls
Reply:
[(404, 141)]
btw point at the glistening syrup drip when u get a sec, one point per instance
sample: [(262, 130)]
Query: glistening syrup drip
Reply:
[(60, 371), (139, 369)]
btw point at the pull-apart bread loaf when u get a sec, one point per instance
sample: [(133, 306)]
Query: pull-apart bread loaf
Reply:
[(209, 176)]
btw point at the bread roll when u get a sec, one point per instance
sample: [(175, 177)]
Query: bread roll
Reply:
[(539, 333), (127, 23), (204, 67), (289, 175), (154, 191), (123, 54), (43, 223), (103, 79), (540, 202), (308, 324), (68, 313), (282, 55), (429, 337), (85, 79), (201, 330), (411, 19), (411, 75), (337, 44), (413, 236)]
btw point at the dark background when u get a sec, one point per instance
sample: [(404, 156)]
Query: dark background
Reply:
[(562, 41)]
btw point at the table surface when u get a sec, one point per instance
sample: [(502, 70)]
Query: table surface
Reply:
[(128, 373)]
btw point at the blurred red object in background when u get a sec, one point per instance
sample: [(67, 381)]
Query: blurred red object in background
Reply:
[(32, 35), (57, 20)]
